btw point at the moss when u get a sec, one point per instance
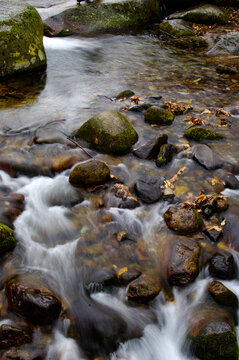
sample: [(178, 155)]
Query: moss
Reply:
[(198, 133), (159, 116), (198, 218), (199, 42), (7, 239), (178, 28), (162, 160), (125, 94)]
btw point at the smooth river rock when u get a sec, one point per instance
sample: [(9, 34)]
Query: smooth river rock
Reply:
[(183, 220), (89, 173), (207, 157), (21, 38)]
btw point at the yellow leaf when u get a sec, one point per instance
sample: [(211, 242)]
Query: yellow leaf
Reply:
[(223, 222), (122, 270)]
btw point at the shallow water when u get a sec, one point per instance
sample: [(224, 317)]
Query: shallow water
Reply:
[(61, 240)]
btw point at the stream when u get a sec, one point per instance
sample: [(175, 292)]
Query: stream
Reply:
[(71, 242)]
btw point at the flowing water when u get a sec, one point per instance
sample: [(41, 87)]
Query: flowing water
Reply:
[(62, 238)]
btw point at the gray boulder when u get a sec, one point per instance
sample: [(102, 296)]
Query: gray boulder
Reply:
[(21, 38), (228, 44)]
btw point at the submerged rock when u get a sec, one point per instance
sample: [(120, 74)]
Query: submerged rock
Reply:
[(228, 44), (34, 302), (207, 157), (12, 336), (228, 178), (125, 94), (177, 27), (148, 188), (150, 149), (212, 333), (105, 17), (183, 220), (21, 38), (7, 239), (159, 116), (202, 14), (90, 173), (122, 198), (222, 295), (222, 266), (183, 262), (143, 289), (199, 133), (109, 131)]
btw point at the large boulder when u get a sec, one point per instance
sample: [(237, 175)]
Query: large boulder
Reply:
[(228, 44), (105, 17), (7, 239), (203, 14), (21, 38), (89, 173), (183, 220), (109, 131)]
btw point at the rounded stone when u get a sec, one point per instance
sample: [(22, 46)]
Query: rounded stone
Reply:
[(159, 116), (89, 173), (7, 239), (183, 220)]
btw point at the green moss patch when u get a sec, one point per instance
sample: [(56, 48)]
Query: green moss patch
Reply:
[(199, 133), (7, 239)]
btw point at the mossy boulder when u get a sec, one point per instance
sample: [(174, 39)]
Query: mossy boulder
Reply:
[(106, 17), (90, 173), (203, 14), (109, 131), (183, 220), (177, 27), (212, 333), (159, 116), (125, 94), (7, 239), (222, 295), (200, 133), (165, 154), (21, 38)]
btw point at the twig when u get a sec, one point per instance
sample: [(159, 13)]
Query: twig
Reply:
[(81, 147)]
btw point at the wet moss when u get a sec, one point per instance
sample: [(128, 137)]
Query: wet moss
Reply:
[(199, 133), (157, 115), (7, 239)]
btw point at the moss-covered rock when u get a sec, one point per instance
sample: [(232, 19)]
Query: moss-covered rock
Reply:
[(109, 131), (159, 116), (222, 295), (203, 14), (199, 133), (165, 154), (125, 94), (7, 239), (89, 173), (21, 38), (177, 27), (106, 17), (183, 220)]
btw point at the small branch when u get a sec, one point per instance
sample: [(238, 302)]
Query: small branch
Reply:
[(81, 147)]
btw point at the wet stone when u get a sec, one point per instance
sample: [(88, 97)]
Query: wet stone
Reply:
[(150, 149), (148, 188), (18, 354), (207, 157), (222, 295), (143, 289), (7, 239), (165, 154), (214, 233), (228, 178), (183, 220), (177, 27), (222, 266), (158, 116), (89, 173), (128, 275), (122, 198), (200, 133), (125, 94), (13, 336)]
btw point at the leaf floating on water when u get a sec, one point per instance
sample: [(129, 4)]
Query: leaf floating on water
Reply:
[(176, 108), (135, 99)]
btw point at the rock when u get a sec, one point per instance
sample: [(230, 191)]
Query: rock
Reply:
[(63, 162), (212, 333), (109, 131), (21, 38), (20, 354), (177, 27), (12, 336), (143, 289), (128, 275), (90, 173), (203, 14), (34, 302), (150, 149), (105, 17), (183, 220), (125, 94), (11, 207), (223, 69), (221, 203), (145, 106), (148, 188), (228, 178), (206, 157), (165, 155), (228, 44), (183, 263), (7, 239), (222, 266), (122, 198), (199, 133), (159, 116), (222, 295), (214, 233)]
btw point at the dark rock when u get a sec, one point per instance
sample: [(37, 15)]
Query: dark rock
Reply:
[(214, 233), (223, 69), (12, 336), (109, 131), (7, 239), (183, 263), (183, 220), (121, 197), (11, 207), (148, 188), (203, 14), (200, 133), (222, 295), (177, 27), (90, 173), (207, 157), (165, 154), (228, 178), (145, 106), (159, 116), (220, 203), (228, 44), (36, 303), (128, 275), (125, 94), (19, 354), (150, 149), (222, 266), (143, 289), (212, 333)]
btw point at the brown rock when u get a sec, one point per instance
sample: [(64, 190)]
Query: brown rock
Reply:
[(12, 336), (183, 220), (144, 289), (222, 295)]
